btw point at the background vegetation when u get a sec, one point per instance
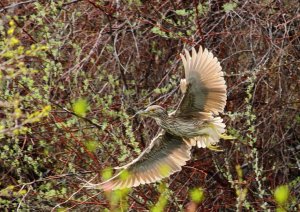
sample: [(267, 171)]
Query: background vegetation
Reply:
[(72, 73)]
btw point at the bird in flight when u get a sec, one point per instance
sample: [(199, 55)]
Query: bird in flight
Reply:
[(194, 123)]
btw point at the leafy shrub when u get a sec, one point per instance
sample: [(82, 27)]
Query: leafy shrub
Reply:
[(73, 73)]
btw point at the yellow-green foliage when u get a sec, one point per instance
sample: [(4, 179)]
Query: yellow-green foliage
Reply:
[(163, 198), (107, 173), (23, 103), (16, 74), (80, 107), (281, 196), (197, 195)]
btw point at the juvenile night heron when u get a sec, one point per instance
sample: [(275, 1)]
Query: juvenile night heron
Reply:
[(194, 123)]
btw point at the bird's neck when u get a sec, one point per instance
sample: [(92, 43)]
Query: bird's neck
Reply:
[(162, 120)]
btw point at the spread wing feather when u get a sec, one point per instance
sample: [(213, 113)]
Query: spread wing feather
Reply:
[(165, 155), (204, 86)]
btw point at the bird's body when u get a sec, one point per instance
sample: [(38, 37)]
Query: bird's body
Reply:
[(194, 123), (187, 127)]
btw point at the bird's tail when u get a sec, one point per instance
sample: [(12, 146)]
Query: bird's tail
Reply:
[(211, 134)]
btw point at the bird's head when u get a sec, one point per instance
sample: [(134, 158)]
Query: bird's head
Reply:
[(154, 111)]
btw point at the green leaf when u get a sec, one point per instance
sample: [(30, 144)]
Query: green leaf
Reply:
[(157, 91), (161, 203), (91, 145), (157, 30), (181, 12), (281, 194), (197, 195), (50, 193), (227, 7), (80, 107), (280, 210), (107, 173)]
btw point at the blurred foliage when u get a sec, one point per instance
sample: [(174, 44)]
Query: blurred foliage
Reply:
[(73, 74), (80, 107), (197, 195), (228, 7), (281, 196)]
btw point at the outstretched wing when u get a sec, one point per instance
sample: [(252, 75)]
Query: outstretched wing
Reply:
[(204, 86), (164, 156)]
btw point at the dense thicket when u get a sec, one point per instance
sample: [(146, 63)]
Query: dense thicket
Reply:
[(73, 72)]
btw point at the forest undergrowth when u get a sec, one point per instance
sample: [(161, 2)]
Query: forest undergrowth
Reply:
[(74, 72)]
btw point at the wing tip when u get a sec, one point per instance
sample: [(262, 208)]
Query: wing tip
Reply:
[(205, 70)]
